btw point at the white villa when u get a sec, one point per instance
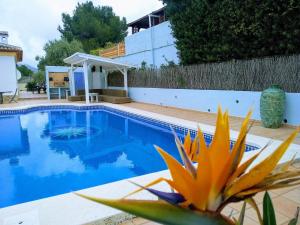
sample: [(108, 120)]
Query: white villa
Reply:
[(9, 75)]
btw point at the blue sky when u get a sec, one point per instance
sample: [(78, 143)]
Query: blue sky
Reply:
[(31, 23)]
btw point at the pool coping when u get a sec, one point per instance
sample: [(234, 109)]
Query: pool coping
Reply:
[(71, 209)]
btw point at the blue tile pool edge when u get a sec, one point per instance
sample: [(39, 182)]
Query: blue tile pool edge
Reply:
[(155, 122)]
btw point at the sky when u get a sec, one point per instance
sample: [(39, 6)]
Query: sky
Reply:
[(31, 23)]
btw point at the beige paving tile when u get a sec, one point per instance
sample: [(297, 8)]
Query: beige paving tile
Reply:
[(249, 221), (285, 206), (151, 223), (296, 165), (238, 206), (293, 195), (139, 221), (127, 223), (259, 197), (282, 191), (229, 211)]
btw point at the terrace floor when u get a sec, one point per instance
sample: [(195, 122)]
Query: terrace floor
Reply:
[(285, 200), (210, 119)]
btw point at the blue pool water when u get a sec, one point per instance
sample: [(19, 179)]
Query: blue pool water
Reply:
[(49, 152)]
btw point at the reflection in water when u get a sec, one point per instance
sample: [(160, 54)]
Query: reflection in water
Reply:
[(14, 139), (59, 151)]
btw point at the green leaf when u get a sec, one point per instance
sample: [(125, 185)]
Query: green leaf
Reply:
[(268, 211), (295, 220), (162, 212), (242, 215)]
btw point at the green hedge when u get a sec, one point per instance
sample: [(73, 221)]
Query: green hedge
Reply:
[(221, 30)]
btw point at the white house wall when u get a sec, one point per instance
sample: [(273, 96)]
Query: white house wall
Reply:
[(139, 46), (8, 74), (97, 79), (237, 102)]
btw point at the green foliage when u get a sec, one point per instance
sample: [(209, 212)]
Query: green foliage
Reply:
[(268, 211), (25, 72), (39, 77), (30, 86), (169, 63), (95, 52), (162, 212), (294, 221), (242, 215), (269, 217), (143, 65), (219, 30), (181, 82), (56, 51), (93, 25), (107, 45)]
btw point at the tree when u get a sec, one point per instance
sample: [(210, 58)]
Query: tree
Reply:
[(93, 25), (39, 77), (57, 51), (25, 72), (219, 30)]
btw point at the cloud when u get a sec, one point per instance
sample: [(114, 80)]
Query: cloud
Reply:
[(32, 23)]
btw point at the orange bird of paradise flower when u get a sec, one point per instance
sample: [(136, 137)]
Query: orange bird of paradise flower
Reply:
[(213, 175)]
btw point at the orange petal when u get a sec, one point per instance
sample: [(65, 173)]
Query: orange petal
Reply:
[(241, 169), (238, 152), (187, 143), (260, 171), (204, 176), (198, 145), (185, 184), (202, 140), (220, 152)]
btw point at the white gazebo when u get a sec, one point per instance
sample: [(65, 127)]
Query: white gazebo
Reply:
[(105, 65)]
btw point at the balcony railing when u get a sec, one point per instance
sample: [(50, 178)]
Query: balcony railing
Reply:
[(113, 52)]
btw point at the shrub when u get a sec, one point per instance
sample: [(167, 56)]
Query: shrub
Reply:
[(30, 86), (220, 30)]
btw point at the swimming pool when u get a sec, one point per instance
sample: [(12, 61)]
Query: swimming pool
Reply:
[(46, 151)]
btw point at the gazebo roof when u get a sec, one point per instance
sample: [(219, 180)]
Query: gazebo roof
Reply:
[(108, 64)]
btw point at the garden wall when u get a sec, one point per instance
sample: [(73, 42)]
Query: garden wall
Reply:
[(235, 85), (237, 102)]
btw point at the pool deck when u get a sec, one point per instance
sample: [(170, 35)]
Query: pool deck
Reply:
[(285, 200)]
